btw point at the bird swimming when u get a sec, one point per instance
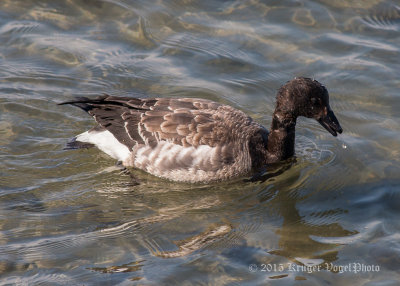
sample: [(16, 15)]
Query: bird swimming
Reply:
[(197, 140)]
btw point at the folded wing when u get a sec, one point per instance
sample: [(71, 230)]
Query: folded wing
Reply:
[(186, 121)]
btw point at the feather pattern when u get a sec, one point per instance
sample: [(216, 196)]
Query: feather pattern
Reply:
[(181, 139)]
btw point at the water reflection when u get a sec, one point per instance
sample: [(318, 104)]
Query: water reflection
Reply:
[(273, 201), (128, 267), (296, 241), (296, 232), (194, 243)]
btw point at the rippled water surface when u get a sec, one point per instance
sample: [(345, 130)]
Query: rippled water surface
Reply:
[(74, 218)]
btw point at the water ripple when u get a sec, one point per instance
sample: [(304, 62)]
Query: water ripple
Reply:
[(387, 19), (369, 231), (362, 42), (191, 244), (18, 28)]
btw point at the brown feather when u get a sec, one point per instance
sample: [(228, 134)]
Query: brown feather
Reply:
[(169, 127), (182, 130), (179, 118), (184, 121)]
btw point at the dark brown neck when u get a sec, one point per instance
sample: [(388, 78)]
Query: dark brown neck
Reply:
[(281, 138)]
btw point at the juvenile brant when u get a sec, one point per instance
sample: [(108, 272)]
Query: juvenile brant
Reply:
[(198, 140)]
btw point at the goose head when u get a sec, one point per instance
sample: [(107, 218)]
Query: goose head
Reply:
[(305, 97)]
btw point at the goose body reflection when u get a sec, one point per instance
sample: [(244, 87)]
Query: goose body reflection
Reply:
[(198, 140)]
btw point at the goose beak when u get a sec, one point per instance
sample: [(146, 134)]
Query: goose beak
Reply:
[(330, 123)]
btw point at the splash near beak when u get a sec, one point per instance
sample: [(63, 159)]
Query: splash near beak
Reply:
[(330, 123)]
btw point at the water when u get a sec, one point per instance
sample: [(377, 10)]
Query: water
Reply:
[(73, 218)]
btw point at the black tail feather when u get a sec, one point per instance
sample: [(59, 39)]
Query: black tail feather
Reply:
[(87, 104), (115, 115), (74, 144)]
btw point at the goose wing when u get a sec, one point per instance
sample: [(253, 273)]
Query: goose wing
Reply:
[(182, 121)]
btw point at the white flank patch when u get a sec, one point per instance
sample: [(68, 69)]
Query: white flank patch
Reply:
[(166, 153), (106, 142), (175, 162)]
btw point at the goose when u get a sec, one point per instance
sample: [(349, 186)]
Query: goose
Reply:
[(198, 140)]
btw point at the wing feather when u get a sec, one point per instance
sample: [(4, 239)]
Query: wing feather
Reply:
[(183, 121)]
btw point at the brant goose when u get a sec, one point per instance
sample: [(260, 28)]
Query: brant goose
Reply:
[(198, 140)]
